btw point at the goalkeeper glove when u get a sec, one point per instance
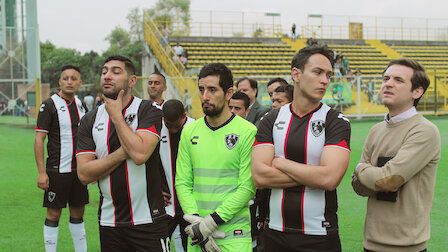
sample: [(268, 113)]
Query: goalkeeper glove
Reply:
[(209, 245), (201, 228)]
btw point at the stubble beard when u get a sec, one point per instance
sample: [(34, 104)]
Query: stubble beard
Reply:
[(113, 94), (214, 112)]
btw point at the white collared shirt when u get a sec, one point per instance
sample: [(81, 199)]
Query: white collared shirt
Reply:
[(400, 117)]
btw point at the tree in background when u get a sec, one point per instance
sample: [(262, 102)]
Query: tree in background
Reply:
[(166, 12), (121, 41)]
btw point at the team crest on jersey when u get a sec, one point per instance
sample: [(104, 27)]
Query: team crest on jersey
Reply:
[(317, 127), (231, 141), (81, 108), (129, 118), (41, 109), (51, 196)]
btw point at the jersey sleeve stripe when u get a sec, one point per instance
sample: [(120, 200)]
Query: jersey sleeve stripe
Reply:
[(85, 152), (41, 130), (338, 146), (256, 143), (151, 130)]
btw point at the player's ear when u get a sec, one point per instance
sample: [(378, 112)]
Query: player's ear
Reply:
[(132, 80), (417, 93), (229, 93), (296, 73)]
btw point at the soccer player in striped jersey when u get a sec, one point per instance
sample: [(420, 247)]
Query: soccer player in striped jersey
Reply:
[(301, 153), (114, 142), (213, 179), (174, 119), (156, 87), (58, 119)]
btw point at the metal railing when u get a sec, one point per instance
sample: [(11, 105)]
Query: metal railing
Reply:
[(172, 66)]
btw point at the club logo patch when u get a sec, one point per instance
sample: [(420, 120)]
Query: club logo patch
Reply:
[(81, 108), (51, 196), (130, 118), (317, 127), (231, 141)]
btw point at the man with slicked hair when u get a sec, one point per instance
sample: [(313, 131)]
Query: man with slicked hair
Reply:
[(301, 154), (398, 166)]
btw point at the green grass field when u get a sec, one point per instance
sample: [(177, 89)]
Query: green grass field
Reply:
[(22, 214)]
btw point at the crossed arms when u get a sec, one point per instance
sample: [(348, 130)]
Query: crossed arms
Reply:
[(269, 171)]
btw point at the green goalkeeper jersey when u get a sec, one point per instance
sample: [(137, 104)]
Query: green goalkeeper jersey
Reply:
[(213, 173)]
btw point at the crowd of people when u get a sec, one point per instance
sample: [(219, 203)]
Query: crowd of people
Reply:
[(14, 106), (244, 177)]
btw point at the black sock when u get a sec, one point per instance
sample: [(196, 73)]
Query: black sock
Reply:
[(51, 223), (76, 220)]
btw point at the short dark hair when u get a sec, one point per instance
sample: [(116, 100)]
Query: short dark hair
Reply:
[(130, 68), (288, 90), (218, 69), (253, 84), (419, 77), (160, 74), (172, 110), (301, 58), (238, 95), (282, 81), (65, 67)]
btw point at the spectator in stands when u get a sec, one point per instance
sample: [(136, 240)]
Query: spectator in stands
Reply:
[(349, 74), (178, 50), (282, 96), (183, 59), (293, 32), (250, 87), (274, 84), (345, 62), (338, 69), (19, 106), (398, 166), (3, 106), (11, 105), (239, 104), (165, 33), (89, 101)]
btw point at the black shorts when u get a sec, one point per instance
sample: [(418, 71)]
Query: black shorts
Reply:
[(63, 188), (145, 237), (281, 241), (179, 220)]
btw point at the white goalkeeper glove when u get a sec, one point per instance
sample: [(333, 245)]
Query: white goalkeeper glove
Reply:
[(201, 228), (209, 245)]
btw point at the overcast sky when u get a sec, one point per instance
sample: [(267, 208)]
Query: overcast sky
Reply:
[(84, 24)]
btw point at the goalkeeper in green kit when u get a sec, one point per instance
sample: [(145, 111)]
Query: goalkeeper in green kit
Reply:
[(213, 176)]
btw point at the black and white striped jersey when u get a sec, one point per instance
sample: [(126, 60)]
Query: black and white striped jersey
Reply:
[(59, 118), (302, 139), (131, 194), (169, 145)]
